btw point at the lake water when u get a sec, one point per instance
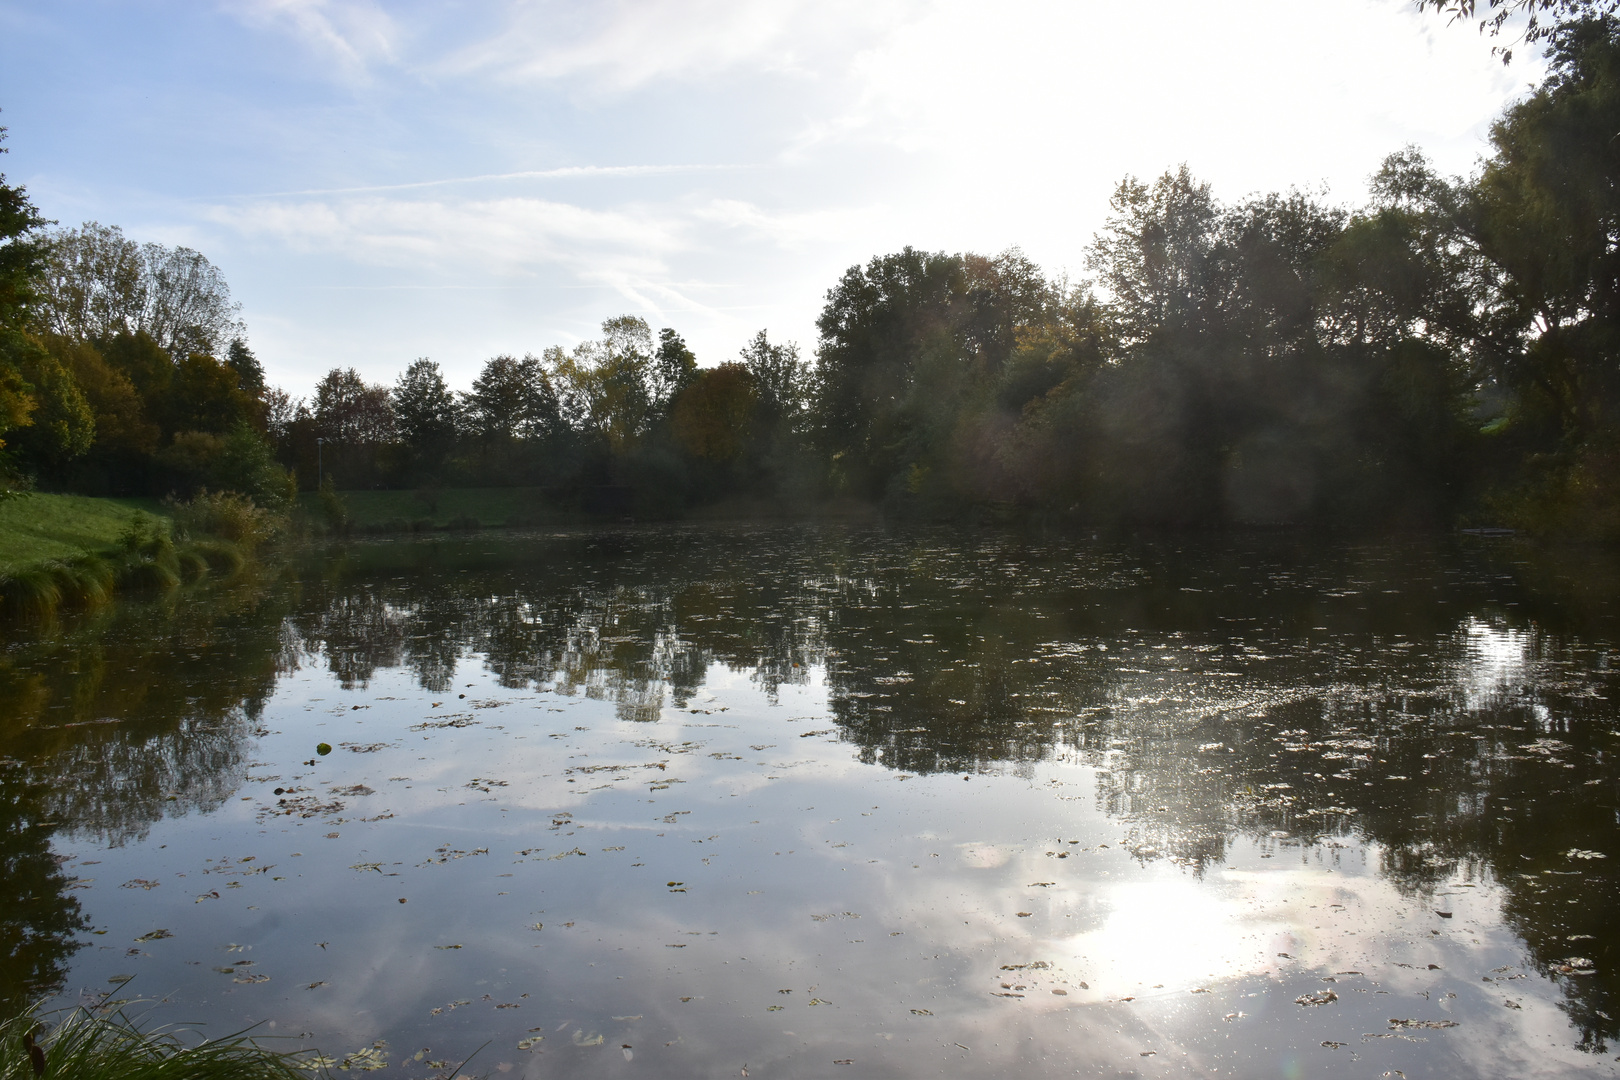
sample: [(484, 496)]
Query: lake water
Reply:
[(822, 801)]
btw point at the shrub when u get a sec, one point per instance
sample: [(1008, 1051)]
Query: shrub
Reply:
[(332, 508), (227, 515), (144, 535)]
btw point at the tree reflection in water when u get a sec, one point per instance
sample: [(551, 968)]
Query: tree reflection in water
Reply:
[(1450, 707), (109, 722)]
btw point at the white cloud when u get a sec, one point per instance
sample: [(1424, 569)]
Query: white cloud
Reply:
[(490, 236), (354, 33), (614, 47), (790, 229)]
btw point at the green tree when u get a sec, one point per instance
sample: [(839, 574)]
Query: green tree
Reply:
[(605, 387), (673, 367), (513, 400), (781, 376), (23, 254), (426, 414), (249, 372), (350, 411), (714, 413), (1546, 214), (62, 426), (880, 324), (102, 285)]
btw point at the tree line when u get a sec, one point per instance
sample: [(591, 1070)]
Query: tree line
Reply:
[(1446, 351)]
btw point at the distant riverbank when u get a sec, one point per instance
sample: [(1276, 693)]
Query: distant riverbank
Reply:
[(430, 510)]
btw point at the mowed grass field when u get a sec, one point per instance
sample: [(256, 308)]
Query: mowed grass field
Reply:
[(42, 526)]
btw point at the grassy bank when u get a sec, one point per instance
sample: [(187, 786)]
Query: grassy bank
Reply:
[(42, 527), (74, 550)]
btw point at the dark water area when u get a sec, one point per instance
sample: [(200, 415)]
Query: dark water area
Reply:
[(804, 802)]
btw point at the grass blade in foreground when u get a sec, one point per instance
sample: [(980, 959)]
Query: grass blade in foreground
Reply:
[(87, 1046)]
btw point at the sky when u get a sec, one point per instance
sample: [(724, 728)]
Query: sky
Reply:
[(384, 181)]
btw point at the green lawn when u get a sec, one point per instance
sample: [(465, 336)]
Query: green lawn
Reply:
[(54, 526), (489, 506)]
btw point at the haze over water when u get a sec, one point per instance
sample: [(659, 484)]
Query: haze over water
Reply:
[(836, 801)]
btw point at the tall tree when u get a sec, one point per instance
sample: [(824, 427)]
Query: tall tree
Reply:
[(879, 325), (714, 414), (102, 284), (249, 372), (782, 378), (23, 253), (1547, 214), (350, 411), (426, 413), (605, 386), (513, 400), (673, 367), (1151, 257)]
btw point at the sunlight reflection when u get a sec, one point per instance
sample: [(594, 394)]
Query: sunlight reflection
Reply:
[(1495, 664), (1178, 934)]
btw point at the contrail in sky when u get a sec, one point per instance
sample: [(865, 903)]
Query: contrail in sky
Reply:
[(563, 173)]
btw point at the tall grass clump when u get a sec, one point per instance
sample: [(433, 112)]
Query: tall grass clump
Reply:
[(88, 1045), (37, 591), (31, 591), (87, 579)]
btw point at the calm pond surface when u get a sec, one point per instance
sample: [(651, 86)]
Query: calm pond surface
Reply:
[(826, 801)]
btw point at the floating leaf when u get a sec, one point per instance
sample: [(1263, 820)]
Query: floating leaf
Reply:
[(323, 748), (1323, 998)]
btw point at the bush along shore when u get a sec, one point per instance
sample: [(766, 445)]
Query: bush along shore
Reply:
[(214, 534)]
